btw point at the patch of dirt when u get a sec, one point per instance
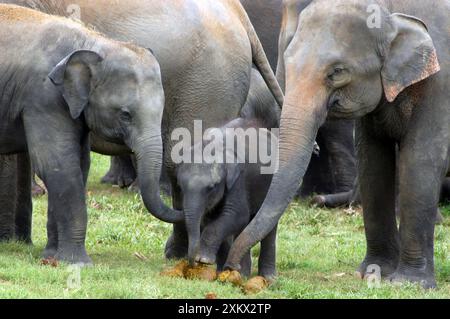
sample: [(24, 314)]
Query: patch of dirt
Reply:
[(255, 285), (50, 262), (233, 277)]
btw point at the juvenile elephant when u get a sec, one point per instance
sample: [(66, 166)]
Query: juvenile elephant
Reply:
[(220, 198), (386, 63), (205, 49), (58, 83)]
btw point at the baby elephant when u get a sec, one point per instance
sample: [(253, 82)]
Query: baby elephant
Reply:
[(57, 84), (221, 197)]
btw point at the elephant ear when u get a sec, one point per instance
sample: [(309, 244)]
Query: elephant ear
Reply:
[(73, 75), (411, 57)]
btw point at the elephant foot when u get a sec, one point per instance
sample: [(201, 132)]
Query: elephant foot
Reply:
[(373, 264), (426, 280), (269, 274), (175, 249), (75, 255), (206, 257), (49, 252), (122, 176), (134, 187)]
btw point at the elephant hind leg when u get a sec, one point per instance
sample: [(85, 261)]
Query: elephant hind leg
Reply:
[(24, 205), (8, 195), (121, 172)]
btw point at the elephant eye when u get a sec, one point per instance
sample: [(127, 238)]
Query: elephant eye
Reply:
[(125, 116), (339, 76)]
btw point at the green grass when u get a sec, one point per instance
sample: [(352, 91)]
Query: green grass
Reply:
[(318, 253)]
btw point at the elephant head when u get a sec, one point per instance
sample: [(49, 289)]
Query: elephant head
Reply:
[(204, 186), (118, 92), (335, 65)]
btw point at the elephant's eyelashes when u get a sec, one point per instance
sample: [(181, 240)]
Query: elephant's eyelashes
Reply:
[(339, 77), (125, 116)]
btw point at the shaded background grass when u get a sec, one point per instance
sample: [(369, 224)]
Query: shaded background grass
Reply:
[(318, 253)]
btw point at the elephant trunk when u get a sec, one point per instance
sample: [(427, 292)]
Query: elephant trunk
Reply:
[(148, 150), (298, 130), (194, 209)]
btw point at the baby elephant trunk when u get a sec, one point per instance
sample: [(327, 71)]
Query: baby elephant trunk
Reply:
[(194, 209)]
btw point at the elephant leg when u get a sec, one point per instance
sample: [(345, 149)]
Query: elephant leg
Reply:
[(178, 242), (63, 177), (267, 267), (318, 177), (85, 159), (222, 254), (445, 191), (8, 195), (333, 200), (121, 172), (377, 186), (339, 141), (246, 265), (420, 179), (233, 218), (24, 205)]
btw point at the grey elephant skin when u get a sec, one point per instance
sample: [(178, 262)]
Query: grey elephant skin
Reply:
[(15, 201), (205, 49), (334, 170), (58, 83), (219, 199), (394, 79)]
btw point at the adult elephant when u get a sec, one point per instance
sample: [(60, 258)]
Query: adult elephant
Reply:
[(334, 170), (205, 49), (383, 68)]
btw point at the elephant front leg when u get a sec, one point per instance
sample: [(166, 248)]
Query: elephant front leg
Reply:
[(420, 174), (67, 211), (268, 257), (377, 186), (232, 220)]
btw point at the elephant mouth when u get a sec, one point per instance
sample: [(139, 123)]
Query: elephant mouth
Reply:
[(337, 111)]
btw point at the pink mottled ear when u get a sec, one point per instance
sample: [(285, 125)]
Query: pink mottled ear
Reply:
[(411, 57)]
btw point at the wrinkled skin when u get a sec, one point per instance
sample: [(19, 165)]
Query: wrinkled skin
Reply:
[(334, 170), (220, 199), (83, 83), (205, 49), (394, 80), (15, 199)]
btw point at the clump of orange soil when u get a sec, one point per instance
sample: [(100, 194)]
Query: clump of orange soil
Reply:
[(201, 272), (211, 295), (184, 270), (233, 277), (255, 285), (178, 271)]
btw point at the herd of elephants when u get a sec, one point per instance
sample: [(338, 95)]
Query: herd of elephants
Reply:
[(368, 80)]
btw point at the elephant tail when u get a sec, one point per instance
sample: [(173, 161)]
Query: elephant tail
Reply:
[(259, 56)]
